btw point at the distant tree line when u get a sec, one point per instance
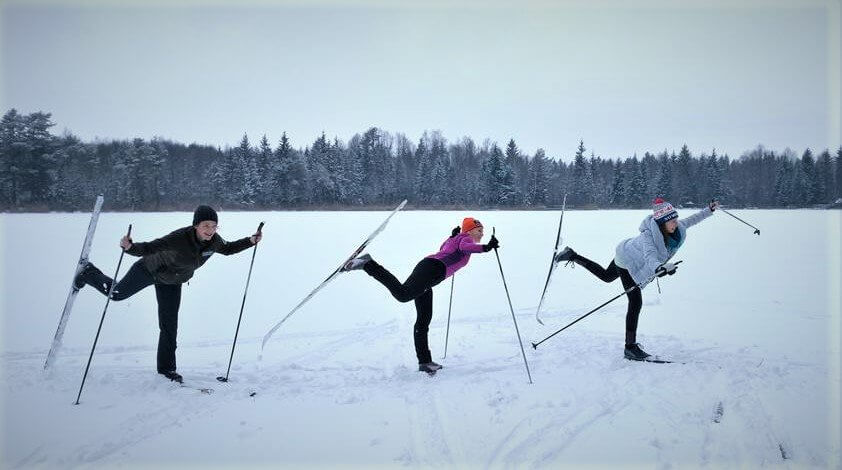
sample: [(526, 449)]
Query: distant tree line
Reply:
[(43, 171)]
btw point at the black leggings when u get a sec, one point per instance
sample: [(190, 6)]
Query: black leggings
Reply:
[(609, 274), (418, 287), (169, 299)]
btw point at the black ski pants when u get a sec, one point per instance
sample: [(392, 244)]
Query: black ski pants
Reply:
[(610, 274), (418, 287), (169, 299)]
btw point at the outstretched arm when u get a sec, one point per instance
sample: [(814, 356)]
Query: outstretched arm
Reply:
[(701, 215), (230, 248), (148, 248), (468, 246)]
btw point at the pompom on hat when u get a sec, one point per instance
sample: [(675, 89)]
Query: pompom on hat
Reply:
[(470, 223), (663, 211)]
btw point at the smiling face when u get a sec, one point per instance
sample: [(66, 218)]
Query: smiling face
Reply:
[(205, 230), (670, 226), (476, 233)]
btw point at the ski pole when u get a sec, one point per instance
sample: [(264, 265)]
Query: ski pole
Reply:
[(449, 307), (756, 230), (509, 298), (102, 319), (242, 306), (636, 286)]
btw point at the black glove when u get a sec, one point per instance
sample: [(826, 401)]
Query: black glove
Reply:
[(455, 231), (713, 205), (492, 244), (666, 268)]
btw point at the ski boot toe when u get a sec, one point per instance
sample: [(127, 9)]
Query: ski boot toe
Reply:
[(567, 254), (357, 263), (429, 367), (172, 375), (633, 352), (79, 280)]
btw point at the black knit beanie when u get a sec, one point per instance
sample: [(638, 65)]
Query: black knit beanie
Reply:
[(204, 213)]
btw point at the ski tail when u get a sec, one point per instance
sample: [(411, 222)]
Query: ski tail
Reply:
[(552, 261), (544, 292), (332, 275), (71, 296)]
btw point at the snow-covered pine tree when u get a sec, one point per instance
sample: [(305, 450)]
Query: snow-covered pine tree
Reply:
[(538, 180), (618, 186), (635, 191), (684, 185)]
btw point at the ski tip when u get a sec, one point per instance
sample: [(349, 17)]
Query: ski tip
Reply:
[(539, 320)]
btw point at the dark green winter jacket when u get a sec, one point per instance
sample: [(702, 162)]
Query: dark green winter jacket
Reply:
[(172, 258)]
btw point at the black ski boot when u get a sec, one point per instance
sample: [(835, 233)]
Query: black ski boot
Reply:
[(89, 274), (357, 263), (567, 254), (172, 375), (633, 352), (429, 367)]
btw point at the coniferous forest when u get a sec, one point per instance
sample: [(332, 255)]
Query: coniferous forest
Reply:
[(41, 171)]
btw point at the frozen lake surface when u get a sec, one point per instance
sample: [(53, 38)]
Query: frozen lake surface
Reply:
[(756, 319)]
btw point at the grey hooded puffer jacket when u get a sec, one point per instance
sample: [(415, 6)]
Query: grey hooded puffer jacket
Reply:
[(642, 255)]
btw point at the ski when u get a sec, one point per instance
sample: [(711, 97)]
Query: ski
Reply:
[(660, 361), (71, 296), (179, 382), (205, 390), (332, 275), (655, 360), (552, 262)]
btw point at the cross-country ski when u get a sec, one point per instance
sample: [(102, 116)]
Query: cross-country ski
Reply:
[(553, 262), (74, 288), (342, 267)]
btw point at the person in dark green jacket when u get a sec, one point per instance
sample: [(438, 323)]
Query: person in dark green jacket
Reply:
[(167, 263)]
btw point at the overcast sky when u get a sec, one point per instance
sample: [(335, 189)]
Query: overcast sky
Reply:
[(627, 77)]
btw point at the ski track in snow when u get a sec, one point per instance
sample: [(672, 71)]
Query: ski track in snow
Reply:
[(535, 435), (138, 428), (429, 439)]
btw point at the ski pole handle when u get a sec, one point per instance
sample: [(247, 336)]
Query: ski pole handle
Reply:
[(494, 235), (258, 234), (129, 234)]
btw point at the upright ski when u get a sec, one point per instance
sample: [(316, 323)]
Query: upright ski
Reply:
[(552, 261), (331, 276), (71, 296)]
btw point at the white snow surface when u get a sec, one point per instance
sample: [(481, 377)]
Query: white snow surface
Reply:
[(756, 321)]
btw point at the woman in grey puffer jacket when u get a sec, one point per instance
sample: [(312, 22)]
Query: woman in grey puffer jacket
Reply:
[(638, 260)]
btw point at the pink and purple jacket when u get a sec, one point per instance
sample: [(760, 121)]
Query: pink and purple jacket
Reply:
[(456, 251)]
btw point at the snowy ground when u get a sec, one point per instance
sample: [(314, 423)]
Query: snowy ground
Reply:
[(755, 318)]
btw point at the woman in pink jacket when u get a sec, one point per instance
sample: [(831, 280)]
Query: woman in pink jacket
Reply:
[(430, 271)]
